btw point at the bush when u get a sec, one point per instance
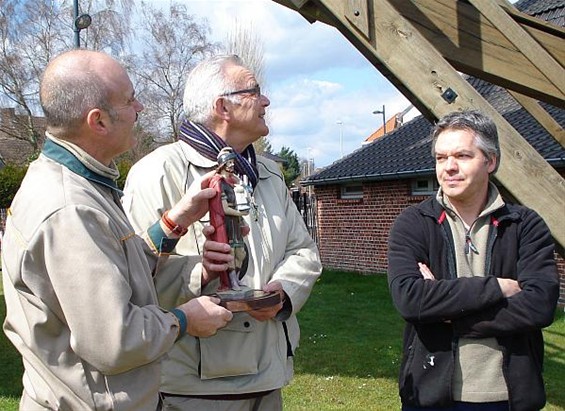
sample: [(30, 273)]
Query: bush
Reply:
[(11, 177), (123, 166)]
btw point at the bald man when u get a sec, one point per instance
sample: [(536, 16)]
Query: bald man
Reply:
[(81, 303)]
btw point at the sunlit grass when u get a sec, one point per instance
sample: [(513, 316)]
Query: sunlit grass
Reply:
[(349, 354)]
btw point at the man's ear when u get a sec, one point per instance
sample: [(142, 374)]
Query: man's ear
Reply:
[(97, 120), (221, 109), (491, 164)]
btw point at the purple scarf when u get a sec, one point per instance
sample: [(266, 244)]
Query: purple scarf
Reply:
[(209, 144)]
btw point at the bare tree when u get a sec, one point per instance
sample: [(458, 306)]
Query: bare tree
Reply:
[(111, 25), (172, 43), (31, 33), (244, 41), (169, 43)]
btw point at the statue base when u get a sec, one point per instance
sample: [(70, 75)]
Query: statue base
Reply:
[(247, 299)]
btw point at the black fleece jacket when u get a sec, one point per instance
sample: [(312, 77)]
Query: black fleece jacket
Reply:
[(438, 312)]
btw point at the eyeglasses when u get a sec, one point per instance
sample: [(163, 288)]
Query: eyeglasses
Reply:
[(256, 91)]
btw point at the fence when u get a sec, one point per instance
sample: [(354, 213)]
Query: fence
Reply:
[(3, 214), (306, 204)]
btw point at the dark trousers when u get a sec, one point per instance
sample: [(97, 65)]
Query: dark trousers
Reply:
[(464, 406)]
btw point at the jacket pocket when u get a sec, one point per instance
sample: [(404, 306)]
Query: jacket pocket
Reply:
[(427, 368), (233, 351)]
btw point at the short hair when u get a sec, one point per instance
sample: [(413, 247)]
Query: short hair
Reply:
[(206, 81), (482, 126), (68, 93)]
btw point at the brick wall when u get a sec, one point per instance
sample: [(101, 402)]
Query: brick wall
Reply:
[(353, 234)]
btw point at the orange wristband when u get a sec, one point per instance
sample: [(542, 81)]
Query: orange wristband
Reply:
[(175, 228)]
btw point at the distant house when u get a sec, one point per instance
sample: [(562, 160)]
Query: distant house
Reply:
[(360, 196), (277, 159), (15, 150)]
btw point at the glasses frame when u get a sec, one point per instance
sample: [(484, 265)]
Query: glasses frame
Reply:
[(256, 91)]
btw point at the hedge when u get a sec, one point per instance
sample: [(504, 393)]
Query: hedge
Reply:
[(11, 177)]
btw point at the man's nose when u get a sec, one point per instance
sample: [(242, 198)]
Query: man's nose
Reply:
[(451, 163)]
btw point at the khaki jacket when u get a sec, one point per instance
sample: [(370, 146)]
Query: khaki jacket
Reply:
[(247, 355), (81, 304)]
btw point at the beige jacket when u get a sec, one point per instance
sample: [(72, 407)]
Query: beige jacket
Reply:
[(81, 305), (247, 355)]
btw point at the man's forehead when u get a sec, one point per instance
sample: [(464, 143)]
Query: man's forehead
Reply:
[(240, 74)]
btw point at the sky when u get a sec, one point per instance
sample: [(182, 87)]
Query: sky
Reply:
[(314, 77)]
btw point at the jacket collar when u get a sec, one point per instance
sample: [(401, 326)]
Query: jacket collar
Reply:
[(195, 158), (63, 156), (432, 208)]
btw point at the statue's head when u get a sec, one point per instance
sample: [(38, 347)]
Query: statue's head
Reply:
[(226, 156)]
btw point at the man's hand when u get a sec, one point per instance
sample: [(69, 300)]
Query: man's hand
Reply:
[(508, 286), (215, 257), (194, 204), (426, 272), (265, 314), (204, 316)]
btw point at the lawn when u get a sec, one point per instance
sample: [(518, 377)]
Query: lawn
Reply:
[(349, 354)]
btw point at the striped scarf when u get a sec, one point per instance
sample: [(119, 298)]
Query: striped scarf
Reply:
[(209, 144)]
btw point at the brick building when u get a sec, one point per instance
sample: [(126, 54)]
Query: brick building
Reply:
[(15, 149), (360, 195)]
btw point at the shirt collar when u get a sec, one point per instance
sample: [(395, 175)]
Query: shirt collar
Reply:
[(65, 157)]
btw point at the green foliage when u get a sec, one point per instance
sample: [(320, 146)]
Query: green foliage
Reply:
[(291, 170), (123, 165), (11, 177)]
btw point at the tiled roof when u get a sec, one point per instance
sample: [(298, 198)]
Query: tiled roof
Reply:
[(274, 157), (406, 151), (552, 11)]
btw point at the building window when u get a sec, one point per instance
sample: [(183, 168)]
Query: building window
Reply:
[(352, 192), (424, 186)]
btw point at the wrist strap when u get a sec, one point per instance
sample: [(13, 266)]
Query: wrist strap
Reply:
[(183, 323), (171, 225)]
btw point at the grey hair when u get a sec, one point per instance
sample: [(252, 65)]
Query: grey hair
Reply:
[(482, 126), (206, 81), (67, 94)]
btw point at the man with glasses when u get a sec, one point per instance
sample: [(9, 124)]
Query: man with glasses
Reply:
[(81, 306), (243, 366)]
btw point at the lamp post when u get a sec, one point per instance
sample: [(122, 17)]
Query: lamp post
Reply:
[(79, 23), (309, 171), (384, 117), (340, 124)]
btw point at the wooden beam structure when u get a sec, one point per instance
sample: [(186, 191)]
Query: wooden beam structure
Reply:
[(420, 46)]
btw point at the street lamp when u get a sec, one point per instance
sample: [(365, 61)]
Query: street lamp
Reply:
[(340, 124), (309, 170), (80, 23), (384, 117)]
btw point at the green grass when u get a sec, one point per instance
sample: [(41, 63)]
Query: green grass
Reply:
[(349, 353)]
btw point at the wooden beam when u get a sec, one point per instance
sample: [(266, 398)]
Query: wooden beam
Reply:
[(543, 117), (475, 46), (422, 70), (472, 44), (546, 64)]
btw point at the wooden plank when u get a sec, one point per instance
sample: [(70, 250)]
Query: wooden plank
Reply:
[(546, 64), (542, 116), (403, 51), (357, 13), (475, 46)]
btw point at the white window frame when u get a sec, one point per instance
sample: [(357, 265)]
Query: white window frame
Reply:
[(351, 191), (424, 186)]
